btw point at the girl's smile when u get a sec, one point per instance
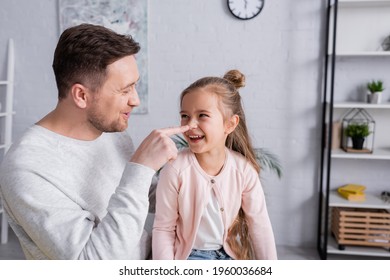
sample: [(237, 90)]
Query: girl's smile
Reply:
[(195, 138)]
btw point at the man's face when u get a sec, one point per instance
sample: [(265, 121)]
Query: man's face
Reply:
[(113, 102)]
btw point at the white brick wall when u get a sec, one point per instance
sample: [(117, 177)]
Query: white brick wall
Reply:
[(279, 51)]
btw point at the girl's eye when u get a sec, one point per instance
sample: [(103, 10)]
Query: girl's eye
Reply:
[(183, 117), (203, 115)]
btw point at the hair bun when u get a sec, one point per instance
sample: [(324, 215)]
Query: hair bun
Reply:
[(235, 77)]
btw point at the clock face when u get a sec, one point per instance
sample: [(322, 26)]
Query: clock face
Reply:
[(245, 9)]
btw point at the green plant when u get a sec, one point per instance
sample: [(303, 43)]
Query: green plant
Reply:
[(269, 161), (375, 86), (266, 159), (357, 130)]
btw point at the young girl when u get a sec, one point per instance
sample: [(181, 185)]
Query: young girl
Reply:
[(210, 203)]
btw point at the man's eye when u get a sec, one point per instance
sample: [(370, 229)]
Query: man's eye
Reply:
[(129, 90)]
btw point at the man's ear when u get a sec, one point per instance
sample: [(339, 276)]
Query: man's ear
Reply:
[(79, 95), (231, 124)]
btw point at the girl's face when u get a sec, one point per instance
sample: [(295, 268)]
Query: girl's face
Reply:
[(208, 130)]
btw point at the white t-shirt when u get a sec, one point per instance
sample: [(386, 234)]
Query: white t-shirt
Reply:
[(210, 232)]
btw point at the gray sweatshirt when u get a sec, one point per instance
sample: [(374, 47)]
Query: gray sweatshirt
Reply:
[(72, 199)]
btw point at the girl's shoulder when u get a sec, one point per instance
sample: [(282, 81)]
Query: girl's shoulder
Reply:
[(237, 158), (239, 162), (183, 159)]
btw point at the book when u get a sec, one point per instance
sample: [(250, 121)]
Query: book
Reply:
[(352, 192), (353, 197), (353, 188)]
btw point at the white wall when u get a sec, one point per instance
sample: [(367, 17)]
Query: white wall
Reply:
[(279, 51)]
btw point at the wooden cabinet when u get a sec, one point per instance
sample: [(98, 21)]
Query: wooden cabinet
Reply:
[(354, 55)]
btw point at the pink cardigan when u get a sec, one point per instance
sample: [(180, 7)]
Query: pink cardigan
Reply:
[(182, 194)]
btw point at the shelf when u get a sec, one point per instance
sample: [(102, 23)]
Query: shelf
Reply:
[(356, 250), (357, 30), (362, 54), (350, 105), (379, 153), (361, 28), (362, 3), (372, 201), (4, 82), (3, 114)]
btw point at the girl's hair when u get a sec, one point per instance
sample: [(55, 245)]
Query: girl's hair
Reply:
[(226, 89)]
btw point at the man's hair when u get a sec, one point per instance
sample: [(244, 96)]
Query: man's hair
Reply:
[(83, 53)]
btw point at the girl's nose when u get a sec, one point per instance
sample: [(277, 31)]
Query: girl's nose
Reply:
[(193, 124)]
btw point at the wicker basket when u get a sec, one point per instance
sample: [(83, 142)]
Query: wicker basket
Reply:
[(362, 227)]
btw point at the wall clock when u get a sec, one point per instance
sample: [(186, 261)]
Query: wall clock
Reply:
[(245, 9)]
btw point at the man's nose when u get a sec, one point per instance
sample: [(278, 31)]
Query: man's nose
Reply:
[(134, 99)]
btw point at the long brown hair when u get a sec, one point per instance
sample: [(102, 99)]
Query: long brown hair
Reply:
[(226, 89)]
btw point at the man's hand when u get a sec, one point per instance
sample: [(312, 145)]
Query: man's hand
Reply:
[(158, 148)]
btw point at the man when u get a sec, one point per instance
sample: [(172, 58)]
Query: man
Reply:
[(72, 189)]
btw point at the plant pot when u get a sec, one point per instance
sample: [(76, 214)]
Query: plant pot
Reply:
[(374, 98), (357, 143)]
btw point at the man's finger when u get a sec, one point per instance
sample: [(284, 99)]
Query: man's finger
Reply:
[(175, 130)]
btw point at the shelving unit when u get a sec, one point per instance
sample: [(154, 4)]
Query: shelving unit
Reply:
[(7, 109), (355, 30), (6, 114)]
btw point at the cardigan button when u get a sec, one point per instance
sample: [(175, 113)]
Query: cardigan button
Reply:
[(212, 181), (221, 209)]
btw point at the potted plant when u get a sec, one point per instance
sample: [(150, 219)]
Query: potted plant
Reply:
[(375, 88), (358, 133)]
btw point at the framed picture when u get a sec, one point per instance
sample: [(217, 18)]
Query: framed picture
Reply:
[(122, 16)]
